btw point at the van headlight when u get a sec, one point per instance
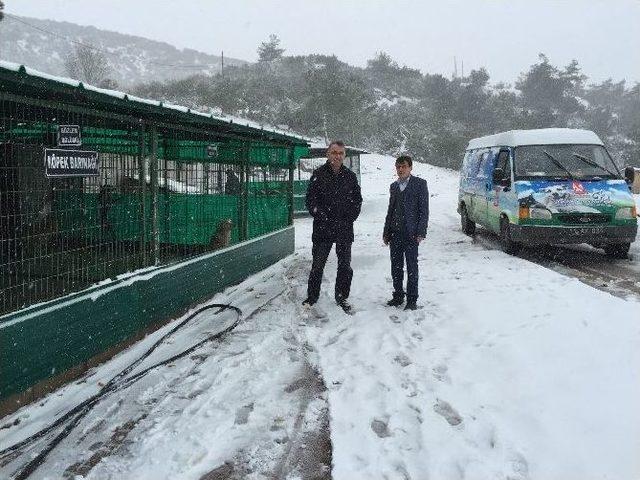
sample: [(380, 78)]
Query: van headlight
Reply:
[(626, 213), (539, 213)]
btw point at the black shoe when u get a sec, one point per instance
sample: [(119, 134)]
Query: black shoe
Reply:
[(308, 302), (344, 305), (411, 305), (396, 301)]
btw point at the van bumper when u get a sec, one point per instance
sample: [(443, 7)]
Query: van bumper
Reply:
[(538, 235)]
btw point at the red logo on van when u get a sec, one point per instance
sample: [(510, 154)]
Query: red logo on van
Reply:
[(578, 188)]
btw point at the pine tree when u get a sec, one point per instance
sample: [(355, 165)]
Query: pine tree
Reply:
[(269, 51)]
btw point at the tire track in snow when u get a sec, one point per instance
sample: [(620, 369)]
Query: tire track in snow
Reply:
[(618, 277)]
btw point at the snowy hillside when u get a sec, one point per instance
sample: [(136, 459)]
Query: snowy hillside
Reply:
[(509, 371), (131, 59)]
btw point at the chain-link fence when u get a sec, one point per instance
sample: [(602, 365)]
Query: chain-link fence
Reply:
[(130, 194)]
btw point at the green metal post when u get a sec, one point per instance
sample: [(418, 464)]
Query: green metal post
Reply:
[(244, 196), (292, 166), (205, 177), (142, 174), (155, 239)]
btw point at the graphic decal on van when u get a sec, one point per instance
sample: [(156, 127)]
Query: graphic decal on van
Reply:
[(573, 195), (578, 188)]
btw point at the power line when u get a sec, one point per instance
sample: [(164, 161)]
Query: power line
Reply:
[(102, 50)]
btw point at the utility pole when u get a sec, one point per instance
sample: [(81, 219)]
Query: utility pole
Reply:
[(222, 63), (455, 67), (324, 126), (462, 60)]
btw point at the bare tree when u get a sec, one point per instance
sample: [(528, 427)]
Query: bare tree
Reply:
[(1, 8), (88, 65)]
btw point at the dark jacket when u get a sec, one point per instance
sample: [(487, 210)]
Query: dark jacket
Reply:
[(334, 201), (416, 207)]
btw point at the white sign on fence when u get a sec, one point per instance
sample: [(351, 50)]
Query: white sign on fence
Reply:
[(69, 136), (70, 163)]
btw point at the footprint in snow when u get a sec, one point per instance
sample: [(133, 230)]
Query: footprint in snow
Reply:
[(380, 428), (410, 388), (242, 414), (519, 466), (440, 373), (402, 359), (199, 358), (314, 313), (332, 340), (194, 394), (452, 417)]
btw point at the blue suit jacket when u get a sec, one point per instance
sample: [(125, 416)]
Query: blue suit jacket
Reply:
[(416, 207)]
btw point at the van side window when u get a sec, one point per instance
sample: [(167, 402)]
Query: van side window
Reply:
[(484, 164), (471, 164), (504, 163), (466, 163)]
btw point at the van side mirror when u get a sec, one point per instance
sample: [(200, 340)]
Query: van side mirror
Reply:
[(499, 177), (629, 174)]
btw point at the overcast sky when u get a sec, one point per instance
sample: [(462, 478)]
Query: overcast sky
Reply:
[(505, 37)]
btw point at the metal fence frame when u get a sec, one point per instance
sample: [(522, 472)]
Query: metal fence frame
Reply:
[(159, 172)]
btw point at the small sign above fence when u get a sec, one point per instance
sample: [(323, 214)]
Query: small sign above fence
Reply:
[(69, 136), (70, 163), (212, 151)]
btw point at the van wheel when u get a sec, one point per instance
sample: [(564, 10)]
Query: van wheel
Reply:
[(468, 227), (508, 245), (617, 250)]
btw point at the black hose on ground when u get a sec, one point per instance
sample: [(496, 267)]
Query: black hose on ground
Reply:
[(118, 382)]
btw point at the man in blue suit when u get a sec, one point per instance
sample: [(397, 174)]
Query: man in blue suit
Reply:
[(404, 228)]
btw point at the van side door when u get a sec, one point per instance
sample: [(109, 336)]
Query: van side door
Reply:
[(471, 186), (467, 178), (483, 185), (497, 192)]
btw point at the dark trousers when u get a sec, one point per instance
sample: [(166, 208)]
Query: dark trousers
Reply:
[(320, 253), (404, 248)]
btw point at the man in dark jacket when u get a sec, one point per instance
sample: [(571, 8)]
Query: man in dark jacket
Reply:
[(334, 201), (404, 228)]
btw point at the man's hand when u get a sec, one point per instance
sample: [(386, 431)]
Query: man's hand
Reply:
[(320, 214), (385, 239), (419, 239)]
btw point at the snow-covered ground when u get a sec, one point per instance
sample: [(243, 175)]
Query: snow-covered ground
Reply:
[(509, 371)]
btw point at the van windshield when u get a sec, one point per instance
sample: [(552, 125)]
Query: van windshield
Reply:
[(584, 162)]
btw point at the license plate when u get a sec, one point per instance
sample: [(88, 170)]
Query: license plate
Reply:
[(590, 231)]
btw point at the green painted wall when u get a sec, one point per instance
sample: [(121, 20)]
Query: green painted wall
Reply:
[(47, 340)]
